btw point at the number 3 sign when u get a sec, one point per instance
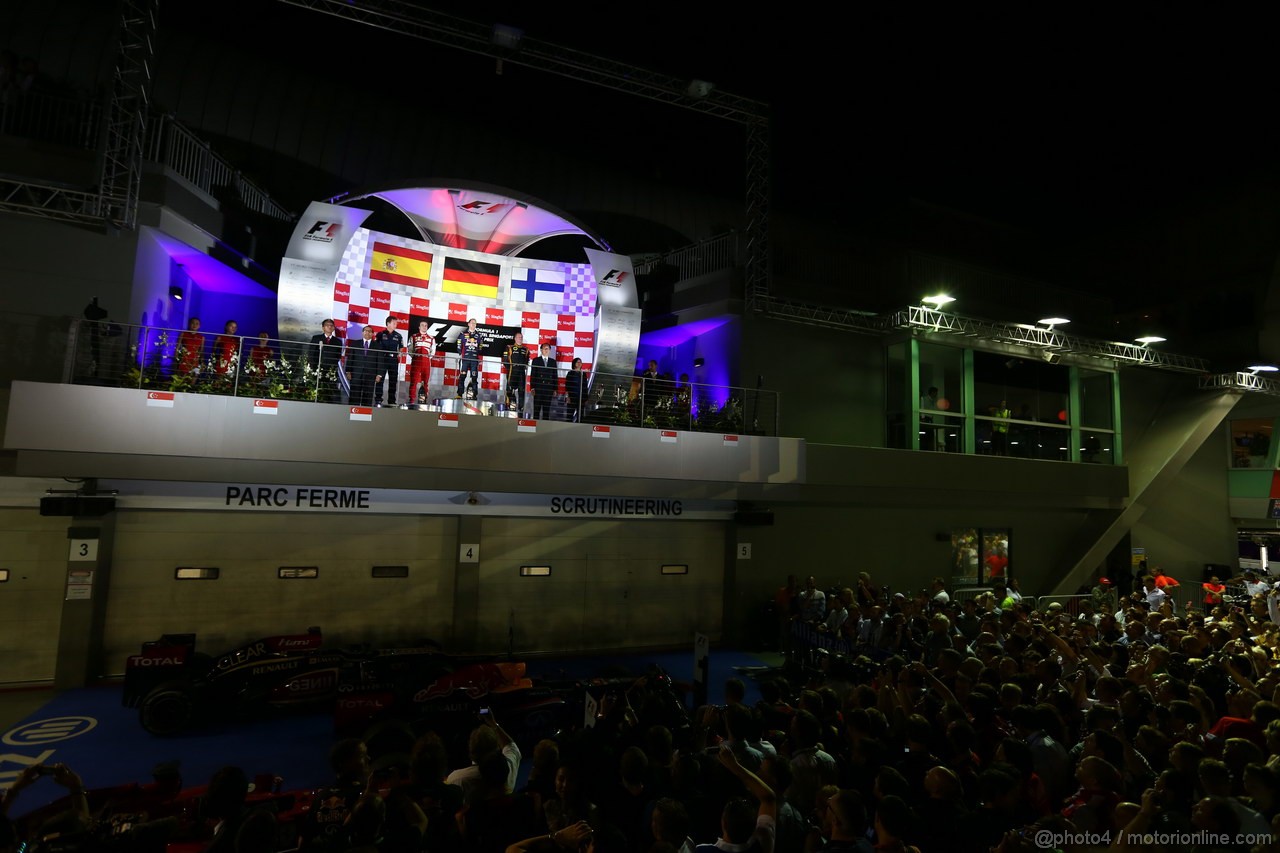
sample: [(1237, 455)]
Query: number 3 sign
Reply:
[(83, 551)]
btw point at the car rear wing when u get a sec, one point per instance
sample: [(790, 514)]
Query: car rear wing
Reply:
[(159, 661)]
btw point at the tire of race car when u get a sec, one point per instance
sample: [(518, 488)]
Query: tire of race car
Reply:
[(389, 737), (167, 709)]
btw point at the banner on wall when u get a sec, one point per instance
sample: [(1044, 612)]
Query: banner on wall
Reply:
[(269, 497)]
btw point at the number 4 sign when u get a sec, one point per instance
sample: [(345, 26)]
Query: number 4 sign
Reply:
[(469, 554)]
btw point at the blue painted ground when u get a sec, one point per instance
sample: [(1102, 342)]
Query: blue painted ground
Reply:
[(90, 731)]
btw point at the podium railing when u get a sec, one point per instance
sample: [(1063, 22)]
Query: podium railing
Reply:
[(204, 362)]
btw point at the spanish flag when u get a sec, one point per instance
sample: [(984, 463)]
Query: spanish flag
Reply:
[(472, 278), (400, 265)]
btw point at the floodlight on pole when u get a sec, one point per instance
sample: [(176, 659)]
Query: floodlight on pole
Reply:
[(938, 300), (1263, 368), (1053, 321), (1150, 339)]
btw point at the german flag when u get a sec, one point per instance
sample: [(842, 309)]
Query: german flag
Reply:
[(400, 265), (472, 278)]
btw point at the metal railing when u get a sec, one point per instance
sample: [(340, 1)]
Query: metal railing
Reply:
[(1070, 603), (172, 144), (706, 256), (200, 362), (57, 120)]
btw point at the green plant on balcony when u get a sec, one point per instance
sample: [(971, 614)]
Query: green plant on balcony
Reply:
[(712, 417), (622, 411)]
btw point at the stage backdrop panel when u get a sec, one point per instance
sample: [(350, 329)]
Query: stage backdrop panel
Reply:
[(549, 302)]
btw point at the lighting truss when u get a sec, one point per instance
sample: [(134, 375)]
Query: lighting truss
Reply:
[(1046, 340), (126, 124), (819, 315), (1241, 382), (49, 201), (410, 19)]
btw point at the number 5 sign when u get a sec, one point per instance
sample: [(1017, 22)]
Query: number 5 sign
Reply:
[(744, 550)]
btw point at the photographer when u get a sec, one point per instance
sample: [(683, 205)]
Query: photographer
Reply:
[(74, 826)]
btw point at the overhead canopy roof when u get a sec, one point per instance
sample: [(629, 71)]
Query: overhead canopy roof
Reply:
[(478, 217)]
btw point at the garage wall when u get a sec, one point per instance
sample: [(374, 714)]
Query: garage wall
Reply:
[(249, 601), (605, 591), (34, 550)]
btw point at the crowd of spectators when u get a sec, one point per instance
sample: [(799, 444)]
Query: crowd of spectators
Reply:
[(969, 726)]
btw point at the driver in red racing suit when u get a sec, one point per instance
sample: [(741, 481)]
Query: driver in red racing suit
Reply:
[(421, 347)]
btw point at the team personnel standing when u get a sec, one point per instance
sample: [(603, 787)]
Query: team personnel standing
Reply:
[(226, 348), (421, 347), (326, 353), (470, 345), (363, 362), (575, 387), (544, 379), (517, 371), (388, 342), (190, 347)]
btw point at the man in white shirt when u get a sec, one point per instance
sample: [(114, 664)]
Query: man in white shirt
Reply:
[(485, 740), (940, 596), (813, 602)]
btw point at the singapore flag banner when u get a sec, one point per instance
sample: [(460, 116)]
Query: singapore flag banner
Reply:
[(526, 425), (598, 431), (362, 413), (266, 407), (160, 399)]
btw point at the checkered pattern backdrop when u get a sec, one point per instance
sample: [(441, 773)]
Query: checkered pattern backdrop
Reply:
[(568, 326)]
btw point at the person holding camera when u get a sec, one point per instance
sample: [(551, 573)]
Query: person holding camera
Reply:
[(76, 820)]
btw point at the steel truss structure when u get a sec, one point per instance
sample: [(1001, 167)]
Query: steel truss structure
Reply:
[(1048, 343), (124, 131), (50, 201), (1241, 381), (114, 202)]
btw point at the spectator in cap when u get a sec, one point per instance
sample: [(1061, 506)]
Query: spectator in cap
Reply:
[(1104, 596)]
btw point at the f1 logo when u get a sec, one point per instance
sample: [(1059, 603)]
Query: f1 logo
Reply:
[(327, 227), (615, 278)]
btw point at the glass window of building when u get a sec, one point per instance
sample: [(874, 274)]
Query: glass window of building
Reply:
[(1021, 407), (941, 398), (1097, 402), (1251, 443)]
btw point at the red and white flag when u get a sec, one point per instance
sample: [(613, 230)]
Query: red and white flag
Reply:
[(525, 425), (362, 413), (730, 441), (160, 399), (266, 407), (447, 420), (599, 431), (668, 436)]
